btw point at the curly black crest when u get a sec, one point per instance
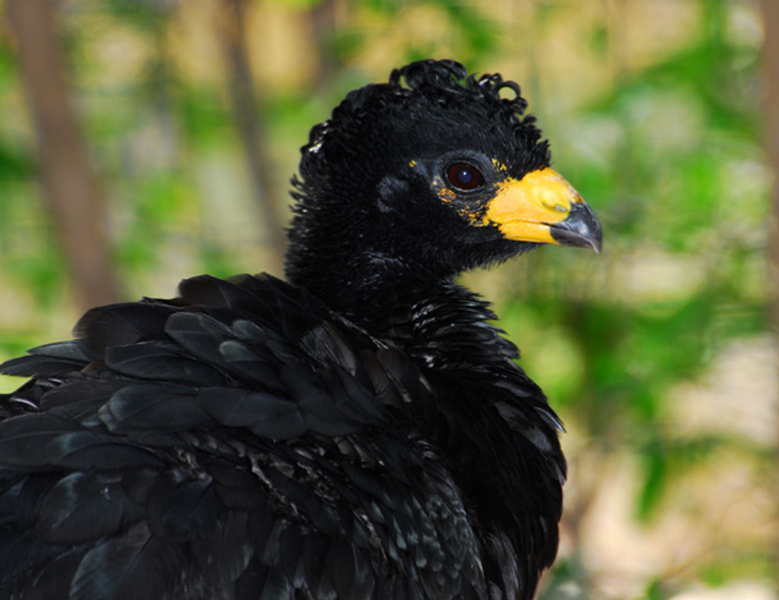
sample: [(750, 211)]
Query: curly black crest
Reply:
[(441, 93), (450, 78)]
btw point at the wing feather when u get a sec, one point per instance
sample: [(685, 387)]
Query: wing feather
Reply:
[(48, 360), (85, 506), (160, 361), (135, 565)]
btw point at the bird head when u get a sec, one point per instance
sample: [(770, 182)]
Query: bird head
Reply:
[(432, 173)]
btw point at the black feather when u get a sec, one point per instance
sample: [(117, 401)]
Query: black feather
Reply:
[(224, 555), (135, 565), (160, 361), (120, 324), (266, 415), (85, 506), (147, 407), (48, 360)]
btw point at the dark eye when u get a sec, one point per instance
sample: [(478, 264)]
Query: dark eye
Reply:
[(464, 176)]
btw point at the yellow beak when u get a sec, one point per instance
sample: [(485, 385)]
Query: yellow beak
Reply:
[(543, 207)]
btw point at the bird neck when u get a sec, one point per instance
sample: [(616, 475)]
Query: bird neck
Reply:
[(365, 287), (491, 423), (444, 326)]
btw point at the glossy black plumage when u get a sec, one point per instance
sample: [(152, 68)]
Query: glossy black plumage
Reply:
[(359, 432)]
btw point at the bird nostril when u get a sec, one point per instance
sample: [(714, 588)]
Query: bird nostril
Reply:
[(555, 206)]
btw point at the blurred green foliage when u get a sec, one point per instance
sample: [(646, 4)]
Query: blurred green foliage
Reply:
[(663, 142)]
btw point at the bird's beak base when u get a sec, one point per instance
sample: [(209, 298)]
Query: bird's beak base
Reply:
[(543, 207)]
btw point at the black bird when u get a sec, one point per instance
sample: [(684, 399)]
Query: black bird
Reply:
[(359, 431)]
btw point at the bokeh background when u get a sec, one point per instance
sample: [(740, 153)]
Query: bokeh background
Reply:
[(142, 141)]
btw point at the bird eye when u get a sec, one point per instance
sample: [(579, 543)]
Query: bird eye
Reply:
[(464, 176)]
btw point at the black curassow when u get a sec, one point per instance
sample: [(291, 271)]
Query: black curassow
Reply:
[(358, 431)]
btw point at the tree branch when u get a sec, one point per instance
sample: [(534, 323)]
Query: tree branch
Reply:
[(250, 126), (770, 10), (71, 190)]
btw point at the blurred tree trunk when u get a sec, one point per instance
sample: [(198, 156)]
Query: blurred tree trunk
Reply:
[(246, 108), (323, 18), (771, 76), (771, 70), (73, 194)]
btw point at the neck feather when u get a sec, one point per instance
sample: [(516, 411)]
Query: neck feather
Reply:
[(491, 422)]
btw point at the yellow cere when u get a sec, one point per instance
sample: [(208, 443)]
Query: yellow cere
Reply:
[(412, 164), (524, 209)]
